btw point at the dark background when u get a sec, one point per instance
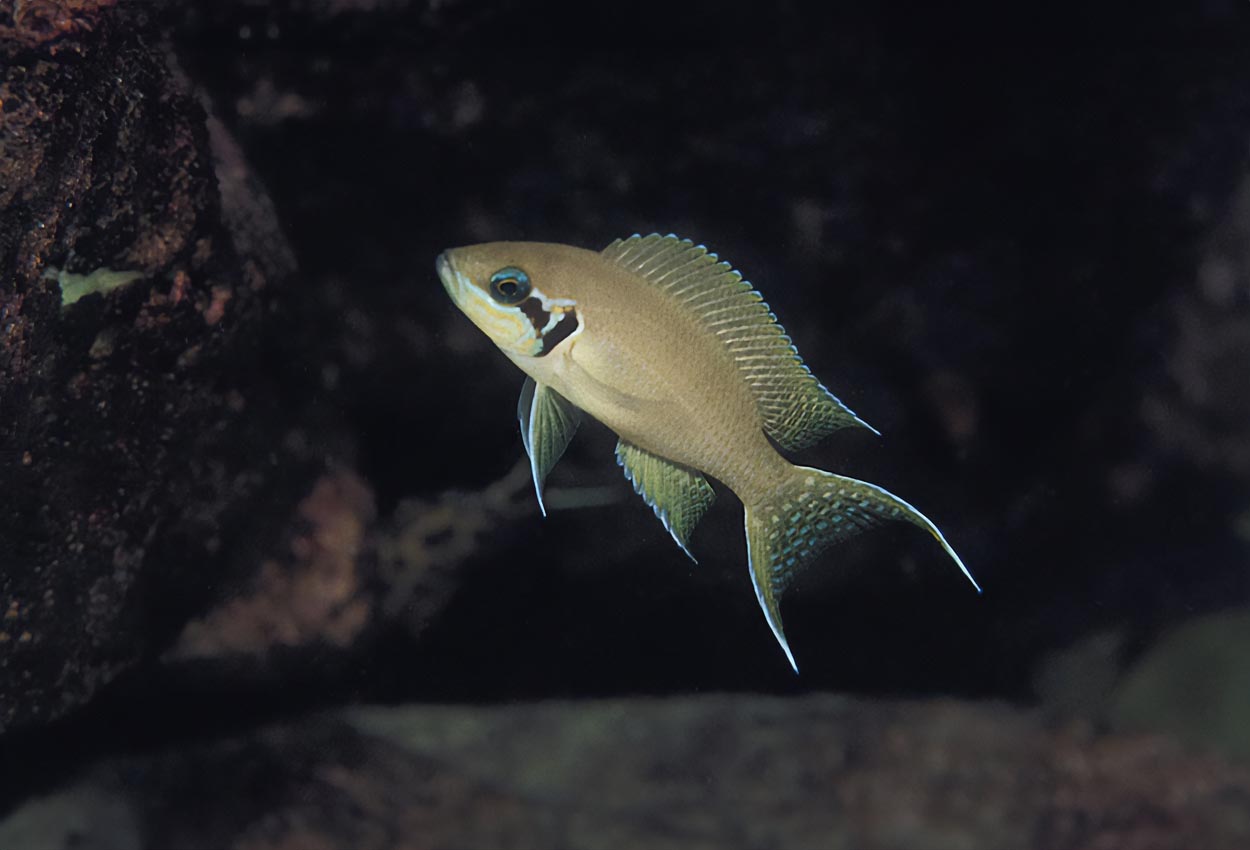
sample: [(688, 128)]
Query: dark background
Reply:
[(985, 246)]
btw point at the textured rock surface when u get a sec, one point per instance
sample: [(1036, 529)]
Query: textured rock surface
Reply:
[(715, 771), (138, 437)]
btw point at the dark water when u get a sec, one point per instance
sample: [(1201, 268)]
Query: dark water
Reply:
[(985, 251)]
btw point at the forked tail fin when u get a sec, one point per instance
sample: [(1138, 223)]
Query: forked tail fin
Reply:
[(809, 513)]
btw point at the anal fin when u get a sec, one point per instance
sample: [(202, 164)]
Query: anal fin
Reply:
[(679, 496), (548, 423)]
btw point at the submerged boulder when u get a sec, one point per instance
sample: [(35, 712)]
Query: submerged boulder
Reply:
[(141, 430)]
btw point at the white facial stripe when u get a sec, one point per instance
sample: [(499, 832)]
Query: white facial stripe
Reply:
[(559, 311), (552, 305), (501, 323), (555, 308)]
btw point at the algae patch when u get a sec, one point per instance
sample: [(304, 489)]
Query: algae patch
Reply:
[(75, 286)]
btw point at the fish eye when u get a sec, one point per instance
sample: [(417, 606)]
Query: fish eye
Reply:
[(509, 285)]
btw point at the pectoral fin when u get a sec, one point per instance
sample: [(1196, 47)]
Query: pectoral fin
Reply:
[(548, 422), (679, 496)]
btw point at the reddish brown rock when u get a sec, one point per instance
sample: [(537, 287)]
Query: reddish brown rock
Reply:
[(315, 594), (141, 427)]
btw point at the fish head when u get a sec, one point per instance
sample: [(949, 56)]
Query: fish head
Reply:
[(512, 292)]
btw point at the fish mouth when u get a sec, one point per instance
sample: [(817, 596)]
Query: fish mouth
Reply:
[(448, 275)]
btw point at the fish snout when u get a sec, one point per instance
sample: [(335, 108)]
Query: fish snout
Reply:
[(447, 274)]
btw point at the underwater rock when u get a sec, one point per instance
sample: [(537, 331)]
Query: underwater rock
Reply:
[(1200, 412), (143, 426), (1194, 684), (83, 816), (1077, 681), (718, 771), (341, 577), (316, 594)]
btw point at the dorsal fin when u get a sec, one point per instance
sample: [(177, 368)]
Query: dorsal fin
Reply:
[(795, 408)]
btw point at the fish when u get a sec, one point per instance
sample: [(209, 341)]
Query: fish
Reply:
[(673, 350)]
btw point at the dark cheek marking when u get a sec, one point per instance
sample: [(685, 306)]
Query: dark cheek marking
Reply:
[(563, 329), (533, 310)]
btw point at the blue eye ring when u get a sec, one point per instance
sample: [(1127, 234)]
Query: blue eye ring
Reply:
[(509, 285)]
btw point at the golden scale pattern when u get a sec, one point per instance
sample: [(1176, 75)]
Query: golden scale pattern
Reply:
[(794, 406)]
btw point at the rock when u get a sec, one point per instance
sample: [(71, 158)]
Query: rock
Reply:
[(316, 595), (83, 816), (142, 427), (1199, 413), (716, 771), (1193, 684)]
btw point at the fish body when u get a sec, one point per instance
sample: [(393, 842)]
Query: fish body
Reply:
[(670, 348), (619, 368)]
